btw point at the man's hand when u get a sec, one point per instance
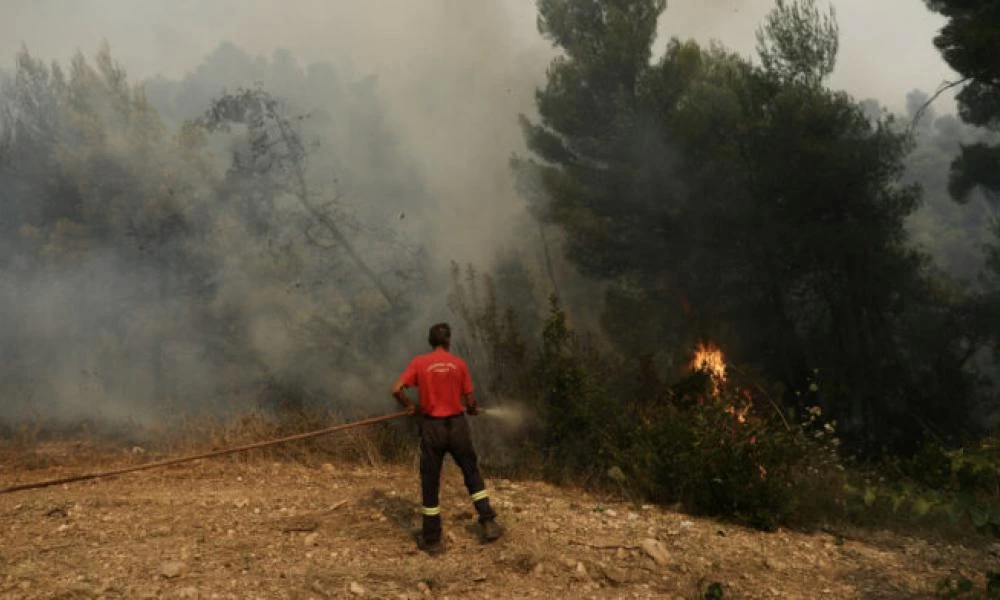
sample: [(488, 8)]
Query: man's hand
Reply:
[(471, 406), (399, 393)]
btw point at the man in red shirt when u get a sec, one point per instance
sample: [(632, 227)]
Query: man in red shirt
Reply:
[(443, 382)]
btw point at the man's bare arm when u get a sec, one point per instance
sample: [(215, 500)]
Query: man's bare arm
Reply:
[(399, 393)]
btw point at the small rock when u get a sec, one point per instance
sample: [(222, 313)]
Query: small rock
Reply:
[(188, 593), (613, 574), (611, 512), (138, 451), (328, 468), (580, 572), (424, 589), (312, 540), (687, 524), (655, 550), (569, 562), (173, 568), (356, 589), (242, 502), (621, 554), (538, 570)]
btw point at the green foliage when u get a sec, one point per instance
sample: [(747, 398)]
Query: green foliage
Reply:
[(762, 472), (671, 182), (797, 44), (701, 442), (953, 233), (963, 588), (959, 486), (582, 431), (491, 340), (969, 43)]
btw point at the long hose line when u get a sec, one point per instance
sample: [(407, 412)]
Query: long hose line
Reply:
[(213, 454)]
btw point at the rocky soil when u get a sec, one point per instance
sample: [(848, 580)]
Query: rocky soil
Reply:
[(231, 529)]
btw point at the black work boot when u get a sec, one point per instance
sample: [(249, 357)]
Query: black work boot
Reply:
[(491, 530), (434, 548), (430, 537)]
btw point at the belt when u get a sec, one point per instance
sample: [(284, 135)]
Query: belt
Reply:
[(449, 417)]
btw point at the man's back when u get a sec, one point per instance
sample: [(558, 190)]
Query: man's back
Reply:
[(442, 379), (444, 383)]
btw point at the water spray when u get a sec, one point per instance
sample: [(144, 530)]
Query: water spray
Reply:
[(511, 416)]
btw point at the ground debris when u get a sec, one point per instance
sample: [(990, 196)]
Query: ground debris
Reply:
[(655, 550), (173, 568), (185, 523)]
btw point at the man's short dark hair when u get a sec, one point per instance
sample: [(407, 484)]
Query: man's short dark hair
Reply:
[(440, 335)]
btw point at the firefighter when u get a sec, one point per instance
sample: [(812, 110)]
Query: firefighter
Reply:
[(445, 391)]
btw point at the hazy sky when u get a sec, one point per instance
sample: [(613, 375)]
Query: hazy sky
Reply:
[(886, 45), (454, 74)]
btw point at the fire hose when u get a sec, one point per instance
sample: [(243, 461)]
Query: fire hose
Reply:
[(213, 454)]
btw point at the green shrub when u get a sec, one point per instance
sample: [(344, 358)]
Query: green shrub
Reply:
[(703, 443), (960, 486), (962, 588), (717, 457)]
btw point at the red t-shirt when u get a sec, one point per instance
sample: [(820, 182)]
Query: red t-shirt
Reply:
[(441, 378)]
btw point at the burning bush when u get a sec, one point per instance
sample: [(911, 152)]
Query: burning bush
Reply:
[(713, 442), (717, 453)]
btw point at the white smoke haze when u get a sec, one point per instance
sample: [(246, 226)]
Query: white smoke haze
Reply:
[(413, 107)]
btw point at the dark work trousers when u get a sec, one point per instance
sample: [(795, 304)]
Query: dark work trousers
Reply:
[(437, 437)]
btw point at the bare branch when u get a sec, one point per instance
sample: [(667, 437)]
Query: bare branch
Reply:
[(944, 87)]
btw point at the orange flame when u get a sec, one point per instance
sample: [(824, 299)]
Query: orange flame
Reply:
[(708, 357)]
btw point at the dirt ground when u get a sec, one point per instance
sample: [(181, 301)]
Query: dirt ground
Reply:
[(232, 529)]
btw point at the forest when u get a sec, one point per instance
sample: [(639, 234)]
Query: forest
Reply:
[(732, 286)]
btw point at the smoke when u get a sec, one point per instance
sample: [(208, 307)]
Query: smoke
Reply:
[(412, 116)]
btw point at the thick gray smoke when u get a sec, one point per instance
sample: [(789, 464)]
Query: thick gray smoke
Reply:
[(412, 116), (407, 145)]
